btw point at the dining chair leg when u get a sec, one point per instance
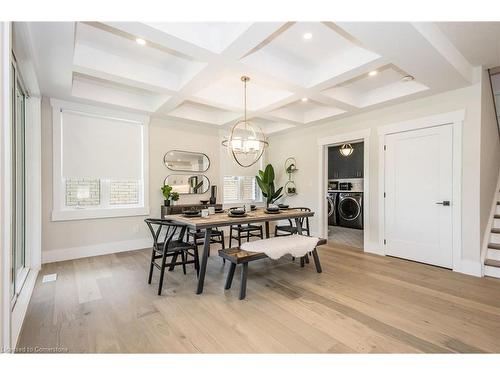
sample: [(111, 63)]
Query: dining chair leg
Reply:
[(162, 271), (230, 275), (248, 236), (243, 284), (230, 236), (183, 257), (306, 257), (151, 267), (204, 260), (174, 260), (223, 241), (239, 239), (196, 261), (316, 261)]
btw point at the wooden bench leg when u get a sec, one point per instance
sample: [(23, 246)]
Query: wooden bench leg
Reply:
[(302, 261), (306, 257), (316, 261), (243, 285), (230, 276)]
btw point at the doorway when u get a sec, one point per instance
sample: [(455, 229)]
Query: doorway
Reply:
[(19, 269), (354, 230), (345, 194)]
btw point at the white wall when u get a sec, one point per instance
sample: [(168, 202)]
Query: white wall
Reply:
[(302, 144), (69, 237)]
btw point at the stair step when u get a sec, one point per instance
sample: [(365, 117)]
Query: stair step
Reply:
[(493, 254), (492, 263), (494, 246), (495, 237), (492, 271)]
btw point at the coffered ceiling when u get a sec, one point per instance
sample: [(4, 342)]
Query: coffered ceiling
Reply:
[(302, 73)]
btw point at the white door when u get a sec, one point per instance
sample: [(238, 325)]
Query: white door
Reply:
[(418, 188)]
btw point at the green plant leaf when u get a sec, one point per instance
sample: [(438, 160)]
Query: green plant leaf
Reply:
[(262, 185), (278, 192)]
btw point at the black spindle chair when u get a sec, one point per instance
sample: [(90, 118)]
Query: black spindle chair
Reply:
[(291, 228), (198, 237), (171, 247)]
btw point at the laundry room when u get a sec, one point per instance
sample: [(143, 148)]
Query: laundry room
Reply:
[(345, 194)]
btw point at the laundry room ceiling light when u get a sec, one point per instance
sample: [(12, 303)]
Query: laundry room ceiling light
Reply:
[(346, 150)]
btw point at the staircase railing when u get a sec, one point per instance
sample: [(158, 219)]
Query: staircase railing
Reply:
[(492, 72)]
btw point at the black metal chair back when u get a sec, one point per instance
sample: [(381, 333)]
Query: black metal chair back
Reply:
[(302, 220), (170, 229)]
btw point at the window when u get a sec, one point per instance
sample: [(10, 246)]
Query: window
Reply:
[(240, 189), (100, 162)]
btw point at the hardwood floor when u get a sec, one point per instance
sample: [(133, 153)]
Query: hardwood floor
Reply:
[(360, 303)]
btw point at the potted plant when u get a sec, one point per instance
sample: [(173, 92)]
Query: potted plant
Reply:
[(167, 192), (174, 197), (265, 180)]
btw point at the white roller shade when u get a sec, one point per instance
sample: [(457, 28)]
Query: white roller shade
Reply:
[(102, 147)]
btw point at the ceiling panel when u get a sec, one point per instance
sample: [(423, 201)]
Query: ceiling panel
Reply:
[(213, 36), (190, 110), (368, 89), (228, 91), (306, 112), (307, 62)]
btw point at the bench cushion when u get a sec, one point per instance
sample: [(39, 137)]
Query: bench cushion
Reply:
[(276, 247), (237, 256)]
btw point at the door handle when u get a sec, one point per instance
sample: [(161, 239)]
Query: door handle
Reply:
[(444, 203)]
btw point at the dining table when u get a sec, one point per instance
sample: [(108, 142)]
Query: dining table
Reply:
[(224, 218)]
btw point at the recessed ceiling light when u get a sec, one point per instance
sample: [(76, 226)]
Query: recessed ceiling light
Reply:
[(140, 41), (304, 99), (373, 73), (407, 78), (307, 36)]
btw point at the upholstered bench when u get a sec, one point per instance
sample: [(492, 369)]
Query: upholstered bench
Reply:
[(238, 256)]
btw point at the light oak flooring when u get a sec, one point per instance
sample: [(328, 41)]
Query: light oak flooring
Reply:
[(360, 303)]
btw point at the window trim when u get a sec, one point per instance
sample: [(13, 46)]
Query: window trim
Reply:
[(60, 212)]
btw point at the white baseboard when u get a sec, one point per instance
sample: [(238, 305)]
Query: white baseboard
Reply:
[(21, 306), (58, 255), (373, 248), (470, 267)]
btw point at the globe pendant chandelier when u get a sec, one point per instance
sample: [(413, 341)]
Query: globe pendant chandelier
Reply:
[(346, 150), (246, 141)]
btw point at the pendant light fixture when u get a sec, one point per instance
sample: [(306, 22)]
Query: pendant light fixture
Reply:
[(246, 141), (346, 150)]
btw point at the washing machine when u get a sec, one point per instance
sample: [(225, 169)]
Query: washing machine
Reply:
[(350, 210), (332, 199)]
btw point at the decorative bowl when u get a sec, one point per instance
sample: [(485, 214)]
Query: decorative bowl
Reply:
[(237, 211)]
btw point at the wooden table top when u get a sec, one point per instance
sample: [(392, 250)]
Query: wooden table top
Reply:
[(223, 219)]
